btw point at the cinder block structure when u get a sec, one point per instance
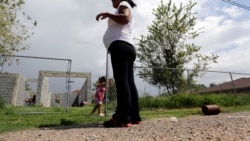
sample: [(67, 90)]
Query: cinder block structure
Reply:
[(12, 89)]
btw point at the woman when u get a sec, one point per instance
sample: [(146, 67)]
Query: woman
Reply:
[(119, 43)]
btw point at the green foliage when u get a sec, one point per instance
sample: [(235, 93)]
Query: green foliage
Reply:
[(194, 100), (2, 103), (151, 102), (166, 49), (111, 95), (15, 27)]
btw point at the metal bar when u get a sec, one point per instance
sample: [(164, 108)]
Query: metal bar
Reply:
[(232, 83), (107, 80), (68, 84), (1, 62), (189, 83), (36, 57)]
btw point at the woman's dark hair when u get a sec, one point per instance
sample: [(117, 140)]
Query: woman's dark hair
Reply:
[(131, 2)]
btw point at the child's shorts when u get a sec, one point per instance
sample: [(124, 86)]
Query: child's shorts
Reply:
[(97, 102)]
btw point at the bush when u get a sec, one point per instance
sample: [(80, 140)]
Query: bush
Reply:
[(2, 103), (178, 101)]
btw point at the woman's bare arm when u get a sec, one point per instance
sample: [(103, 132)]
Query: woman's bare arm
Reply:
[(122, 17)]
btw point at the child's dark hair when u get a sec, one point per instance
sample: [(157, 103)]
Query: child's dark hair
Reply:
[(103, 78), (131, 2)]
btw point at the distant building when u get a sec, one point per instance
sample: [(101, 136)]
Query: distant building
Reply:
[(239, 85)]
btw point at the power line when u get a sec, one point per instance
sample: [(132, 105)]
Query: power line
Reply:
[(237, 4)]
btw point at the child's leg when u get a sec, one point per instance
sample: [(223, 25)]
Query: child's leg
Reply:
[(94, 109), (99, 108)]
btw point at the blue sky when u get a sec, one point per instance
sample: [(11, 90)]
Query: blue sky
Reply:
[(67, 29)]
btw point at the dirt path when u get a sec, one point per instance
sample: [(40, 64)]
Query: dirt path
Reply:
[(223, 127)]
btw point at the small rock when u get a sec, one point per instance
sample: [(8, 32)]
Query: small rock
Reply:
[(173, 119)]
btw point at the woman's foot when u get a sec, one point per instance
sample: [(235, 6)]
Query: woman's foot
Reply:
[(113, 123), (136, 119)]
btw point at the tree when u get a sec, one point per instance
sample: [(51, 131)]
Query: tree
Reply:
[(167, 48), (15, 27), (27, 87)]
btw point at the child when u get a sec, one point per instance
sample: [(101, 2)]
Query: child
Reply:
[(99, 96)]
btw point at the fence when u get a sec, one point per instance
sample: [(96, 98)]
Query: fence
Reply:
[(212, 82), (227, 81), (61, 81), (35, 72)]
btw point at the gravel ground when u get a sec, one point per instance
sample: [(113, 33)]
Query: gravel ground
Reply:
[(222, 127)]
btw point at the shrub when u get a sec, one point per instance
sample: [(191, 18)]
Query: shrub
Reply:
[(2, 103), (178, 101)]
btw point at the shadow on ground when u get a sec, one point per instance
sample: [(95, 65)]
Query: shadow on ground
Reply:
[(67, 124)]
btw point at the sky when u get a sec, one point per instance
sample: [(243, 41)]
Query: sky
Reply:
[(68, 29)]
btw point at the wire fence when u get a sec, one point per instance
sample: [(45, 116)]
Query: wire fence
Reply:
[(209, 78), (30, 67), (211, 82)]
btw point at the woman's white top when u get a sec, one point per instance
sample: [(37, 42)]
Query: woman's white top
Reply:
[(117, 31)]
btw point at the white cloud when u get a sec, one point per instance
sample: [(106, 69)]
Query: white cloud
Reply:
[(234, 11)]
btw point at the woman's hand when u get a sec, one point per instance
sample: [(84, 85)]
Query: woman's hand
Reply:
[(102, 16)]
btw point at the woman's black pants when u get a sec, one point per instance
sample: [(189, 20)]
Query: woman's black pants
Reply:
[(123, 56)]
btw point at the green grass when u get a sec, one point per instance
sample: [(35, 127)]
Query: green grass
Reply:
[(179, 105), (19, 118), (161, 113), (22, 118)]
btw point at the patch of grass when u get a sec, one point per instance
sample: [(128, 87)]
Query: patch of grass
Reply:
[(22, 118), (161, 113), (180, 105)]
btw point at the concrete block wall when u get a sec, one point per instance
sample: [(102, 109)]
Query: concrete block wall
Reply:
[(12, 88), (45, 94), (19, 93), (7, 83), (85, 92), (65, 98)]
